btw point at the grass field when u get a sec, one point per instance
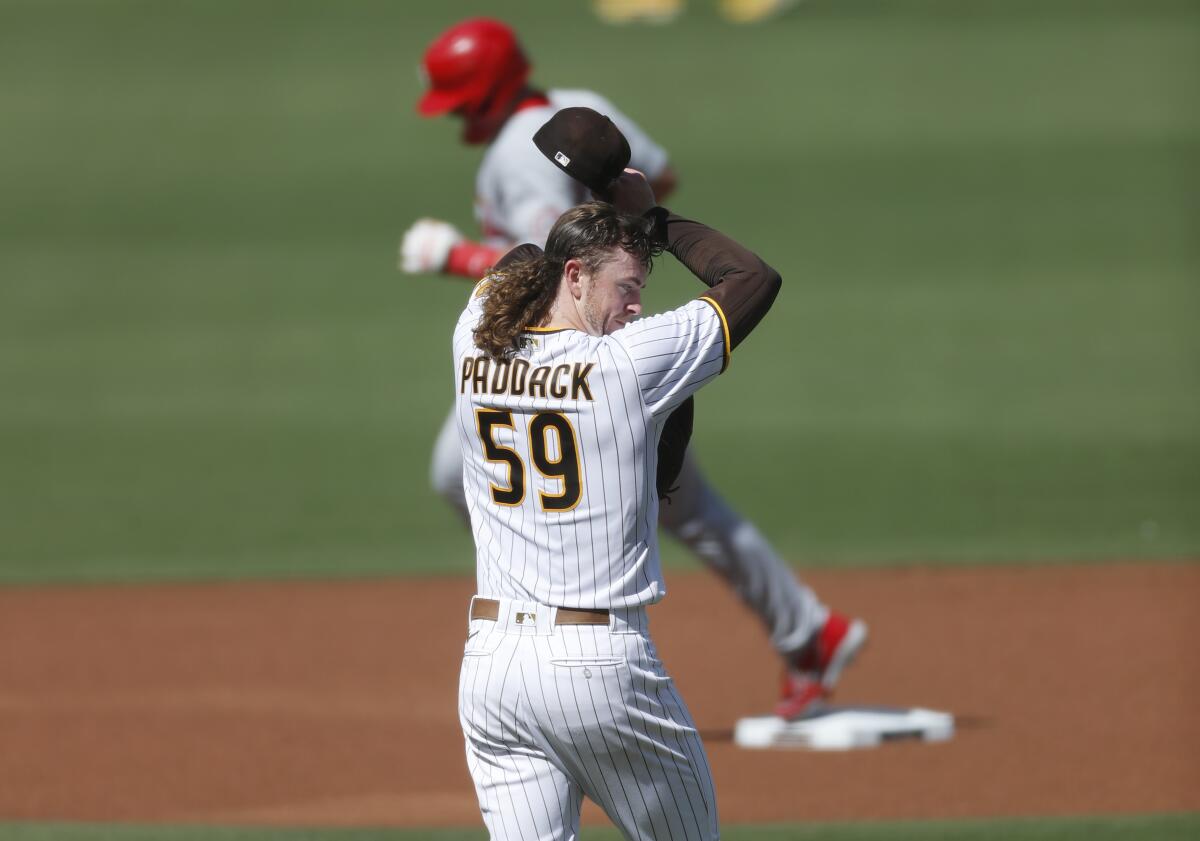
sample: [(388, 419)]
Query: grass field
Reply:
[(985, 213)]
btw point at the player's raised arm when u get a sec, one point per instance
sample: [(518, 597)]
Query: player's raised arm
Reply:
[(740, 282), (592, 150)]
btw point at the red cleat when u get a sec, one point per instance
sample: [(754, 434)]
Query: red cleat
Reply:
[(815, 669)]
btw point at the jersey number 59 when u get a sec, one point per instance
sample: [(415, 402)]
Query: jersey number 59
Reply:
[(564, 469)]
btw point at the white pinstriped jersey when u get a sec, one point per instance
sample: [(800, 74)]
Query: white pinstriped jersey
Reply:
[(560, 452), (519, 194)]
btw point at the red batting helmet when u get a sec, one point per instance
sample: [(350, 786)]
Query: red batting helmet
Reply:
[(475, 68)]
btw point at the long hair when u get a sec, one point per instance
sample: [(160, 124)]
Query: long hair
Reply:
[(520, 294)]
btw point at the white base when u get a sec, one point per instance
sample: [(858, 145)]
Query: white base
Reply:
[(844, 728)]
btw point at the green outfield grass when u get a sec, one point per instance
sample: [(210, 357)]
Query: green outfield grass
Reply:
[(985, 213), (1158, 827)]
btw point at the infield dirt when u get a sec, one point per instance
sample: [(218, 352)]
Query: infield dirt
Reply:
[(333, 703)]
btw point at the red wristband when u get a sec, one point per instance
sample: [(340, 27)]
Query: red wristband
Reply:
[(471, 259)]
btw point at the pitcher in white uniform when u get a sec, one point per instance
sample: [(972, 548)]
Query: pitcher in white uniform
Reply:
[(478, 71), (560, 397)]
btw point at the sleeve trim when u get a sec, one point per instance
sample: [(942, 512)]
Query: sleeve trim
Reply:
[(724, 328)]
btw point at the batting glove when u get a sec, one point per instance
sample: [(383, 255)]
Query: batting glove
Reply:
[(426, 246)]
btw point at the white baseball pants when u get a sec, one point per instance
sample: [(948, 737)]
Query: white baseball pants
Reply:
[(554, 713)]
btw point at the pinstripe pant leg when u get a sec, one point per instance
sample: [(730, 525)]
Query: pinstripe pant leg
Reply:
[(615, 721), (523, 795)]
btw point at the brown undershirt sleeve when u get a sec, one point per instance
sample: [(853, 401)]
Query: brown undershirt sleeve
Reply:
[(741, 284)]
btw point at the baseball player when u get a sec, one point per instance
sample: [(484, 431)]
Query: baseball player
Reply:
[(477, 71), (560, 396)]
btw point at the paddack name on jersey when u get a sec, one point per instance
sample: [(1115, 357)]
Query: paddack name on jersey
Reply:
[(517, 377)]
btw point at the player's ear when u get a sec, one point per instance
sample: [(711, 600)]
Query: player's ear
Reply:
[(573, 277)]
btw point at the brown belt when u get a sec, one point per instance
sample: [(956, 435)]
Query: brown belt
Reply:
[(490, 609)]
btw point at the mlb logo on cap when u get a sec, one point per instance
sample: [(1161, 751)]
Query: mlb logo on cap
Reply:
[(587, 144)]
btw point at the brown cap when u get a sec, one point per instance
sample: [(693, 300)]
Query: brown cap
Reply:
[(587, 145)]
